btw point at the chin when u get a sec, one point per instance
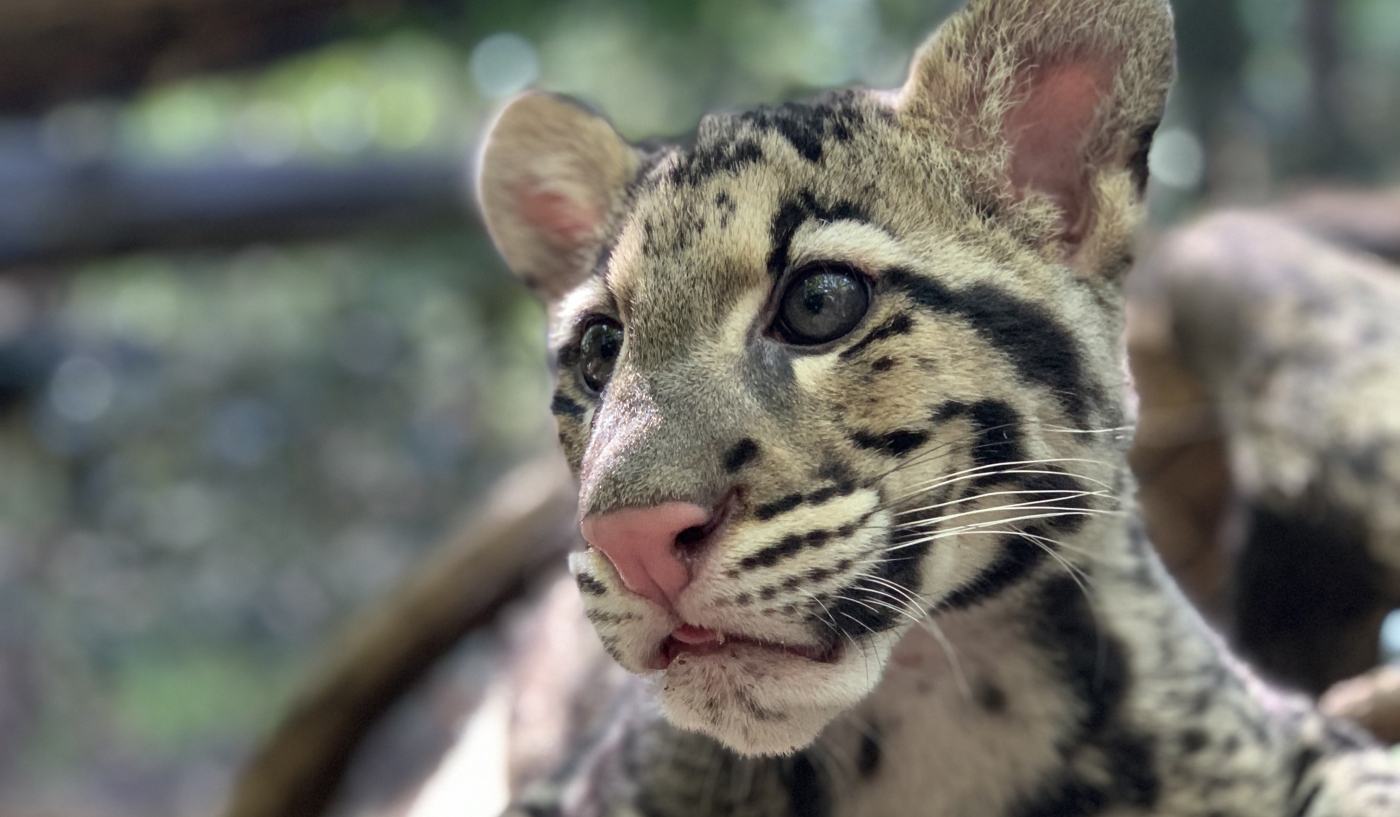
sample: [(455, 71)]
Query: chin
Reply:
[(762, 702)]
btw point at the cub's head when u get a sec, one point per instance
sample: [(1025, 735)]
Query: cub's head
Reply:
[(834, 367)]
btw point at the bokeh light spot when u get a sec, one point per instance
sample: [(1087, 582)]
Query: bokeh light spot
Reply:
[(503, 64), (82, 389)]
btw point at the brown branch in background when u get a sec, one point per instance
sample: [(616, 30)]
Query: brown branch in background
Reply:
[(527, 525)]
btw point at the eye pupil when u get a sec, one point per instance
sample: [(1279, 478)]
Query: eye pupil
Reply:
[(598, 351), (823, 303)]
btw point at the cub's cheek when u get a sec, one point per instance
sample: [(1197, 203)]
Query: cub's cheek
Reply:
[(630, 629)]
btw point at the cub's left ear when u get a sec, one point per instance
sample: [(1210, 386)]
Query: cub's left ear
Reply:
[(552, 178), (1052, 102)]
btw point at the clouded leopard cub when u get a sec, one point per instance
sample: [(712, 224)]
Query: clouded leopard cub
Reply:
[(841, 384)]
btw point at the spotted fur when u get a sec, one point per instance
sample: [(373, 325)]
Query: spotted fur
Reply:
[(935, 504)]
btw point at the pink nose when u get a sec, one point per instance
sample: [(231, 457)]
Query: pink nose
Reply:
[(642, 544)]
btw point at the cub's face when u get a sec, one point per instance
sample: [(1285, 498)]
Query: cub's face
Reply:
[(835, 368)]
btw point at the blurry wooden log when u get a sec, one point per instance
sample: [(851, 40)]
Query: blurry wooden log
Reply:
[(51, 50), (1372, 700), (50, 211), (525, 528), (1291, 346)]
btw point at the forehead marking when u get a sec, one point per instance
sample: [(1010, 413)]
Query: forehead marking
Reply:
[(795, 212)]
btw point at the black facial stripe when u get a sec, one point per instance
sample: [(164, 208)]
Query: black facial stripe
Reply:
[(771, 555), (793, 214), (763, 513), (1137, 163), (567, 356), (997, 427), (1063, 499), (865, 606), (1042, 350), (743, 452), (896, 443), (564, 406), (794, 543), (781, 506), (898, 325), (1019, 554), (1093, 666), (949, 411), (589, 585)]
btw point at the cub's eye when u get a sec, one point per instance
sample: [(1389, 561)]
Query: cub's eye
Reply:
[(598, 352), (823, 302)]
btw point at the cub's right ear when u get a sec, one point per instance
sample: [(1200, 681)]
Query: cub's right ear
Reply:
[(552, 179)]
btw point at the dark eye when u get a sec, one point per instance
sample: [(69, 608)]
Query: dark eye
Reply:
[(598, 353), (823, 302)]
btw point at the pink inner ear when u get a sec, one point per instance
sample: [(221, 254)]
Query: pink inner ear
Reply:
[(565, 221), (1048, 134)]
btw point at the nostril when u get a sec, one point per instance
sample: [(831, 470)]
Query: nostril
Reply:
[(692, 536)]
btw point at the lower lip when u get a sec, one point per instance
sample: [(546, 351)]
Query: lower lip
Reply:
[(691, 640)]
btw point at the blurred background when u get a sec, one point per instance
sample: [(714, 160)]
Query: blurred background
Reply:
[(257, 354)]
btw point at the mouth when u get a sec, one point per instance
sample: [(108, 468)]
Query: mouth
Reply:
[(689, 639)]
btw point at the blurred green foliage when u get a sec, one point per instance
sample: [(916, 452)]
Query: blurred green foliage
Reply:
[(233, 451)]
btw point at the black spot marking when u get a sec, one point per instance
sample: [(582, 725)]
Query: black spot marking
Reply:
[(895, 443), (743, 453), (868, 761), (884, 364), (1041, 350), (568, 356), (564, 406), (807, 796), (706, 161), (806, 125), (589, 585), (900, 324), (989, 696), (649, 249), (1305, 579), (1193, 741), (727, 208)]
